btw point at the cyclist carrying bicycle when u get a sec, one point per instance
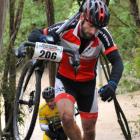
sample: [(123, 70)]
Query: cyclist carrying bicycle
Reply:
[(49, 118), (90, 36)]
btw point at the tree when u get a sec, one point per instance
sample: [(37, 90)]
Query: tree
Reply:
[(135, 10), (50, 12), (138, 1), (3, 7), (8, 87), (50, 20)]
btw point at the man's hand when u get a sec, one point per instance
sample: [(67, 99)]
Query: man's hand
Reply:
[(51, 127), (55, 126), (55, 36), (20, 52), (51, 134), (107, 92), (52, 38)]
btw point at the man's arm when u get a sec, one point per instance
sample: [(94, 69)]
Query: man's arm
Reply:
[(111, 51), (107, 92), (117, 66), (38, 35), (34, 36)]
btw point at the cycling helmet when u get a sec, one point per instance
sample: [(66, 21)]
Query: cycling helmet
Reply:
[(48, 93), (96, 12)]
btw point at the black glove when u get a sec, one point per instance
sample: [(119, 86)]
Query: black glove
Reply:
[(55, 36), (20, 52), (55, 125), (107, 92), (46, 39), (51, 134), (52, 38), (61, 134), (51, 126)]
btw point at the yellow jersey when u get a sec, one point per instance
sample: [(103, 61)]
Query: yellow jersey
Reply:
[(47, 115)]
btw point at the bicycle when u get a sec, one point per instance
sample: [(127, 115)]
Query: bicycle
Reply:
[(28, 101)]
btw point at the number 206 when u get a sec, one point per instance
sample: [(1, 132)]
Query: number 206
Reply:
[(48, 54)]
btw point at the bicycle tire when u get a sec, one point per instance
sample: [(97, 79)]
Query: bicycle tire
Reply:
[(27, 68)]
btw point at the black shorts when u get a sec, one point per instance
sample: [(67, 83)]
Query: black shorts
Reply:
[(84, 93)]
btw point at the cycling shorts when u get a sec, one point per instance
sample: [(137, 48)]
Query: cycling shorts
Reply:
[(84, 93)]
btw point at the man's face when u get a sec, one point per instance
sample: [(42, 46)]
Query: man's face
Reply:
[(51, 103), (87, 30)]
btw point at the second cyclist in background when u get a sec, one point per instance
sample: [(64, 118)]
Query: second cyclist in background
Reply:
[(49, 117)]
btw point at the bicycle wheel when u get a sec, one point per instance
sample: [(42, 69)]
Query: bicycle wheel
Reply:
[(27, 102)]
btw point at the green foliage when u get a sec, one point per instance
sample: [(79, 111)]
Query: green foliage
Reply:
[(1, 63), (62, 9), (129, 81), (33, 17), (137, 62), (126, 36), (74, 9), (123, 27)]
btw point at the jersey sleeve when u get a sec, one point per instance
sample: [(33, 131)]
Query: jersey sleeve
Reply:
[(42, 115), (107, 41)]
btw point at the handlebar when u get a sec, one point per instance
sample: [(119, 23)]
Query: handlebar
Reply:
[(74, 53), (25, 44)]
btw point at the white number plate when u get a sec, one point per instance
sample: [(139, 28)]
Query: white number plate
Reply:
[(46, 51)]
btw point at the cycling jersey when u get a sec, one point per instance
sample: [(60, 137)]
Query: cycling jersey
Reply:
[(89, 52), (47, 115), (89, 55)]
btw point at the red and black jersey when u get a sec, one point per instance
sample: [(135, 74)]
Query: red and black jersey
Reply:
[(89, 55), (89, 52)]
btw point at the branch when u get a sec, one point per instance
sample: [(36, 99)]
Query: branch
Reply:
[(122, 22), (119, 19), (18, 18), (12, 15)]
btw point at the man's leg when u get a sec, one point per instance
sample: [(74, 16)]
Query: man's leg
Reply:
[(88, 128), (88, 108), (65, 104)]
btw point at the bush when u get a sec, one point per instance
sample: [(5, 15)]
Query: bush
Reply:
[(137, 62)]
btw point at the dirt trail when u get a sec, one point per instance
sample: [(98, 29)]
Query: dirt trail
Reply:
[(107, 125)]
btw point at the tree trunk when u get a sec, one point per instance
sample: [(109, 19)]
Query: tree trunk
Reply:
[(3, 7), (138, 2), (135, 11), (50, 21), (9, 76), (50, 12)]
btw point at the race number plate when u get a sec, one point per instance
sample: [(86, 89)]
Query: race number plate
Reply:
[(46, 51)]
